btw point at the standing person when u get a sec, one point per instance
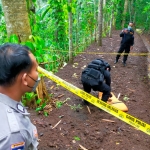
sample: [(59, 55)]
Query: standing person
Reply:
[(96, 76), (18, 75), (126, 45)]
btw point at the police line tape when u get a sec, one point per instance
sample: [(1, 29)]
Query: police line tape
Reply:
[(104, 53), (99, 103)]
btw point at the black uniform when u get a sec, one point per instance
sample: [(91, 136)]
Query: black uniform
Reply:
[(126, 42), (93, 77)]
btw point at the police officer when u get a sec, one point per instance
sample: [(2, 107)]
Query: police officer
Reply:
[(126, 45), (18, 75), (96, 76)]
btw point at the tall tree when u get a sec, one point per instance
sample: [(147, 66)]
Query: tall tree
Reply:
[(16, 18), (70, 31), (100, 20), (95, 18), (104, 26), (17, 22), (124, 13)]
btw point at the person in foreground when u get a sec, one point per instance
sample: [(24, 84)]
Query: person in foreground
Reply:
[(126, 45), (97, 76), (18, 75)]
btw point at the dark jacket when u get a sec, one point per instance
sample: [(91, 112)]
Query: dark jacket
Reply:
[(127, 38)]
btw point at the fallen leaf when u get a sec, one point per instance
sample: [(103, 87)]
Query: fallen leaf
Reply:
[(52, 87)]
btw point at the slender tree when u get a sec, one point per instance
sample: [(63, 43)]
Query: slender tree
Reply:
[(95, 18), (100, 20), (111, 22), (70, 31), (124, 13), (104, 27)]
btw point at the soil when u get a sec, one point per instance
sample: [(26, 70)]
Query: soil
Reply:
[(78, 127)]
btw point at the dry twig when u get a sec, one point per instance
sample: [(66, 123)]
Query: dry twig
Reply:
[(60, 95), (108, 120), (89, 109), (82, 147), (56, 124), (118, 96)]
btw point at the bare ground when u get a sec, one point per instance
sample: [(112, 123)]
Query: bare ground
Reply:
[(78, 126)]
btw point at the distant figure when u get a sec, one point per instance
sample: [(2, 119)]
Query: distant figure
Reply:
[(96, 76), (130, 27), (126, 45), (18, 75)]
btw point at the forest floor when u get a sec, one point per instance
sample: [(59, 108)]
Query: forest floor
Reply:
[(78, 127)]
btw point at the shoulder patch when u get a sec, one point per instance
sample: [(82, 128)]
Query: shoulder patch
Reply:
[(18, 146), (35, 133)]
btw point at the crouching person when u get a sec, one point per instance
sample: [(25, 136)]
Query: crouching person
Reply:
[(97, 76)]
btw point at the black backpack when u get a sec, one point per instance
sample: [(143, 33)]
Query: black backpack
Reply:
[(93, 74)]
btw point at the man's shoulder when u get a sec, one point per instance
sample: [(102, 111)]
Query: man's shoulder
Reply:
[(4, 126)]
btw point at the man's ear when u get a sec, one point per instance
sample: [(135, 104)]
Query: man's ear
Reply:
[(24, 79)]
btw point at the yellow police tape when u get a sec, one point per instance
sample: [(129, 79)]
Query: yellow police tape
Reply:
[(104, 53), (99, 103)]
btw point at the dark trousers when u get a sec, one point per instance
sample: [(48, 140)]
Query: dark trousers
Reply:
[(103, 87), (126, 49)]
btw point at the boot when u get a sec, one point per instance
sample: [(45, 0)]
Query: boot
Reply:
[(115, 61), (124, 63)]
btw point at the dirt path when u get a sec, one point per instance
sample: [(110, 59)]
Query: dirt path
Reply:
[(78, 126)]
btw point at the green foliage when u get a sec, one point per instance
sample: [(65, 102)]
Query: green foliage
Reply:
[(125, 98), (119, 12), (76, 138), (3, 35), (50, 59), (28, 97), (13, 38), (40, 108), (59, 104), (75, 107)]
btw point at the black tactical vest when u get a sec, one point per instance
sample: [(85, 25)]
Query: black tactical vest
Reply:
[(93, 74)]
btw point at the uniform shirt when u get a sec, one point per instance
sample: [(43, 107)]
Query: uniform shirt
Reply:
[(16, 130)]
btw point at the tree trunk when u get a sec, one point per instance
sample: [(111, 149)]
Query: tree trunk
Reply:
[(95, 18), (100, 20), (104, 26), (134, 19), (124, 13), (70, 33), (130, 12), (17, 22), (111, 21), (16, 18), (77, 26)]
